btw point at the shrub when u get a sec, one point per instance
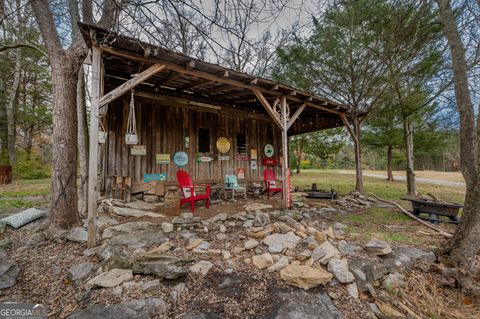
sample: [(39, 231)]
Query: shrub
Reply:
[(32, 168)]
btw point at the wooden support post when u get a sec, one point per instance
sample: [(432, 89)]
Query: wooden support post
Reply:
[(283, 101), (93, 142)]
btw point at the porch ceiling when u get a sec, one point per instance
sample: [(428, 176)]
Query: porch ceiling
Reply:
[(197, 80)]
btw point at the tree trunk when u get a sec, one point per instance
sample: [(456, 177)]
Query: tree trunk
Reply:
[(10, 108), (465, 244), (82, 143), (389, 163), (410, 172), (357, 142), (64, 209)]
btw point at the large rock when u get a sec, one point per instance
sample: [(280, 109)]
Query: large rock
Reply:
[(167, 227), (131, 309), (324, 252), (186, 220), (126, 228), (23, 218), (262, 261), (114, 257), (8, 271), (77, 234), (305, 277), (141, 205), (110, 278), (130, 212), (202, 267), (164, 266), (261, 219), (347, 249), (250, 244), (79, 272), (279, 265), (288, 240), (378, 247), (300, 304), (219, 217), (339, 268), (140, 238)]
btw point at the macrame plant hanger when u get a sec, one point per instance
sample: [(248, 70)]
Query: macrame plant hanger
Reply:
[(131, 133)]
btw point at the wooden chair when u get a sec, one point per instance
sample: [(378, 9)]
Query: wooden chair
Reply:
[(188, 191), (271, 183), (231, 185)]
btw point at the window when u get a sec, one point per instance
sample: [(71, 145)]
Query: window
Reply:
[(203, 140), (241, 143)]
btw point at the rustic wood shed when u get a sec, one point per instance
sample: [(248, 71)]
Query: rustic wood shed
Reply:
[(183, 104)]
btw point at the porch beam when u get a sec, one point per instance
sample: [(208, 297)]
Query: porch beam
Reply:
[(93, 148), (296, 115), (205, 75), (130, 84), (269, 108)]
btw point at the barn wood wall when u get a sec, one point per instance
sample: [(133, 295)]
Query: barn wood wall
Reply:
[(162, 129)]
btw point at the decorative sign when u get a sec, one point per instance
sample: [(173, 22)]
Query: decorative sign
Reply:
[(289, 194), (269, 161), (162, 158), (154, 177), (223, 145), (180, 159), (223, 157), (102, 137), (241, 173), (253, 154), (253, 164), (187, 142), (204, 159), (242, 157), (138, 150), (268, 150)]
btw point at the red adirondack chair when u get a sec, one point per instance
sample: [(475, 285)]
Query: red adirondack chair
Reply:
[(271, 183), (188, 191)]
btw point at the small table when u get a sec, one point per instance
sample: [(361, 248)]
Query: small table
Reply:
[(215, 192)]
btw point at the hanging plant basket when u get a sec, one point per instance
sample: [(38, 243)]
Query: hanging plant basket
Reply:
[(131, 137)]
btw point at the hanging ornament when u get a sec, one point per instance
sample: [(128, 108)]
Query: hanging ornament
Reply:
[(131, 136), (102, 134)]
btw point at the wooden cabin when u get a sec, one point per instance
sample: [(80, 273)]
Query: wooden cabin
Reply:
[(182, 104)]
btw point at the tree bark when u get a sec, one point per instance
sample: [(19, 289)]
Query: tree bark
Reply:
[(410, 172), (358, 155), (465, 244), (389, 163), (10, 107), (82, 143), (65, 65)]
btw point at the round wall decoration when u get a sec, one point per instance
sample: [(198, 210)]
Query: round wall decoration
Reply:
[(268, 150), (180, 158), (223, 145)]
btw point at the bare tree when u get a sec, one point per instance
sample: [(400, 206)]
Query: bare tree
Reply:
[(465, 245), (65, 64)]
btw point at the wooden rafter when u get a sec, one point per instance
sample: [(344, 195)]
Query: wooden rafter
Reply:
[(130, 84), (205, 75), (171, 77), (268, 107), (195, 85), (296, 115)]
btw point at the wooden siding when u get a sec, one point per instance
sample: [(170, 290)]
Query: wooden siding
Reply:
[(162, 129)]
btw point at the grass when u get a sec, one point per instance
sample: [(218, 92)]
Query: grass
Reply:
[(384, 223), (18, 195), (345, 183)]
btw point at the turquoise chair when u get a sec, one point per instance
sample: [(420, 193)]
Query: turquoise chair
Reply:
[(231, 186)]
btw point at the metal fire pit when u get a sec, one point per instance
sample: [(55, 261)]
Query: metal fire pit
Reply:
[(435, 209), (320, 194)]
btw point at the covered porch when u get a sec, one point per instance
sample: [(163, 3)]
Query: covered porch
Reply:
[(182, 104)]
